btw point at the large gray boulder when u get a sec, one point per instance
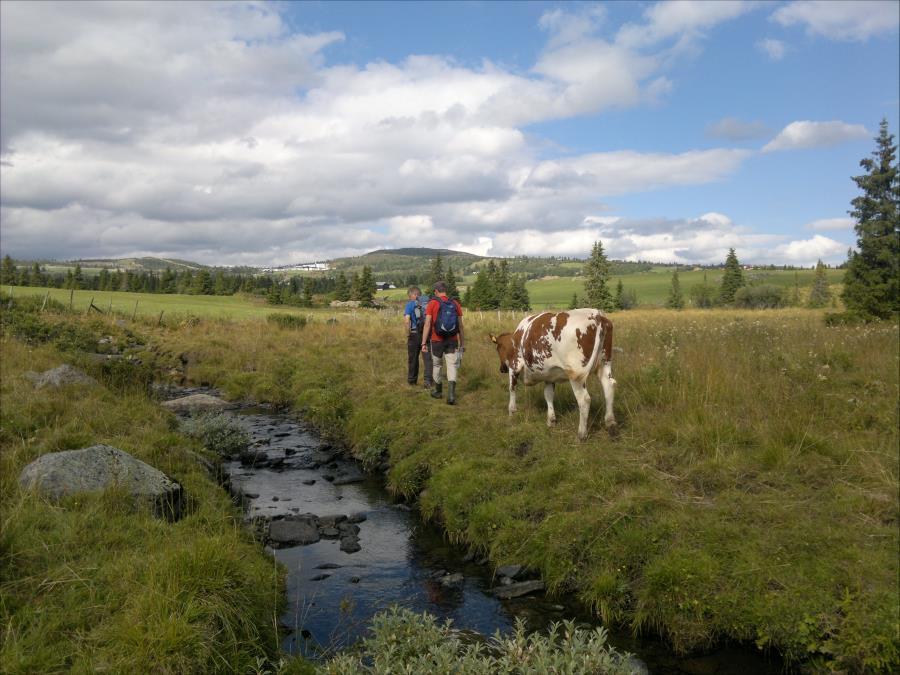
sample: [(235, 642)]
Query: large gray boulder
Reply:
[(99, 467), (59, 377), (297, 530), (196, 402)]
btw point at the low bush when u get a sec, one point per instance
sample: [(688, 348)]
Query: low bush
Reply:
[(284, 320), (765, 296), (218, 432), (848, 318), (405, 642)]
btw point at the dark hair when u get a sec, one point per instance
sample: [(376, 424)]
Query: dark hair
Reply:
[(440, 287)]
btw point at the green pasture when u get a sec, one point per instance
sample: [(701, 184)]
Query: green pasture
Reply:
[(144, 304), (652, 287)]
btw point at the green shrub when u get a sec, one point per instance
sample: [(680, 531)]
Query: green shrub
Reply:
[(849, 318), (283, 320), (765, 296), (218, 432), (403, 641)]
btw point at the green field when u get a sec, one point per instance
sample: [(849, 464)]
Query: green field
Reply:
[(151, 304), (652, 288)]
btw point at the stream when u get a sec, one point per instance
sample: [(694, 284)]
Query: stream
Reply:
[(333, 589)]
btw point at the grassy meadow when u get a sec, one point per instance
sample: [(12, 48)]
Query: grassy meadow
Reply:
[(95, 584), (751, 495)]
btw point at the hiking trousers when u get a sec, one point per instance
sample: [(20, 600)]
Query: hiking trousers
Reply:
[(444, 350), (413, 351)]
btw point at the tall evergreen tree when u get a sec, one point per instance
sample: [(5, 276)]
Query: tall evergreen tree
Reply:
[(307, 292), (871, 280), (355, 289), (36, 278), (203, 283), (596, 280), (820, 294), (676, 299), (342, 288), (8, 271), (574, 303), (366, 286), (733, 278), (620, 295), (502, 277), (273, 296), (77, 277), (452, 289), (482, 294), (516, 296), (436, 273)]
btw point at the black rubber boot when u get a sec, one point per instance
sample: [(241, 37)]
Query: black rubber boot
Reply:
[(451, 393), (438, 391)]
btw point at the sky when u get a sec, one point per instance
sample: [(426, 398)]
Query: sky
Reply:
[(273, 133)]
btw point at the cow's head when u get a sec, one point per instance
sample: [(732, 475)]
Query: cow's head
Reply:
[(506, 350)]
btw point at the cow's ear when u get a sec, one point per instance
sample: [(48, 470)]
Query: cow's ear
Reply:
[(493, 338)]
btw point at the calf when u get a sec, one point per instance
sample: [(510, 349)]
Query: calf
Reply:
[(553, 348)]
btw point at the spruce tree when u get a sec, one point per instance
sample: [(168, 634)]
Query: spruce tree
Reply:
[(342, 288), (676, 299), (36, 278), (78, 278), (355, 288), (516, 296), (366, 287), (436, 273), (871, 279), (307, 292), (203, 283), (574, 303), (620, 295), (495, 288), (8, 271), (733, 278), (703, 295), (820, 293), (273, 297), (452, 290), (596, 280), (795, 293)]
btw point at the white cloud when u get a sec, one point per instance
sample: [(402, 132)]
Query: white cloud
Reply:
[(831, 224), (705, 239), (808, 251), (732, 129), (806, 134), (682, 19), (850, 20), (774, 49)]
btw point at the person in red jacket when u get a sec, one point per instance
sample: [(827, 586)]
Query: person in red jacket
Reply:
[(444, 328)]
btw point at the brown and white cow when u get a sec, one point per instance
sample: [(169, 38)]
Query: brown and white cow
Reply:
[(553, 348)]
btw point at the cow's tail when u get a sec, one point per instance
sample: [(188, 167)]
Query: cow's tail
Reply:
[(595, 355)]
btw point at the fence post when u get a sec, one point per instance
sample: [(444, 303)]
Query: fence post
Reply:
[(159, 320), (134, 313), (44, 303), (71, 297), (90, 304)]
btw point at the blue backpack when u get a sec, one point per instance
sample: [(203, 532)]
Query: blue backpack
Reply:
[(448, 319)]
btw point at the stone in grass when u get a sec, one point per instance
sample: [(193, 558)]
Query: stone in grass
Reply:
[(195, 402), (59, 377), (94, 469), (519, 589), (511, 571), (293, 531)]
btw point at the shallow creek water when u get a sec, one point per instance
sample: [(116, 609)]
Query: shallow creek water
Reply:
[(332, 594)]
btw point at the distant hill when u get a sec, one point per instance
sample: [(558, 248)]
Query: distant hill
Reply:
[(399, 263)]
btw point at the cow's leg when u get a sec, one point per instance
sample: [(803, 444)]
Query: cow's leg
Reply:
[(584, 407), (513, 380), (609, 390), (549, 391)]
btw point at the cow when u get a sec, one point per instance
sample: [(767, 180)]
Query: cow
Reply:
[(555, 347)]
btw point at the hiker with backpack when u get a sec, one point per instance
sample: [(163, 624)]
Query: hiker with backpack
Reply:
[(414, 319), (443, 331)]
